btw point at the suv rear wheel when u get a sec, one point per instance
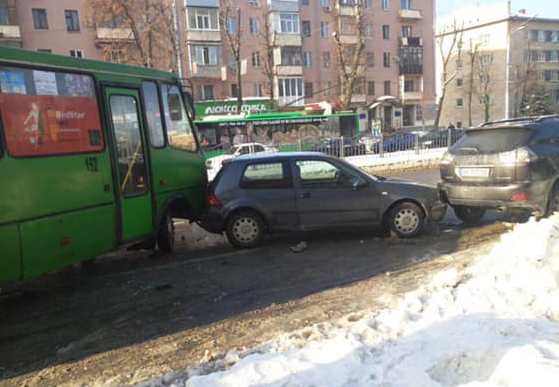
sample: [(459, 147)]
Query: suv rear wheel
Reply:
[(245, 229), (469, 214)]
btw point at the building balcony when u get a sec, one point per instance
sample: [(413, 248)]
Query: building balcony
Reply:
[(10, 35), (205, 71), (289, 70), (412, 95), (344, 10), (113, 34), (411, 42), (203, 36), (348, 39), (282, 39), (294, 101), (411, 69), (410, 14), (358, 98)]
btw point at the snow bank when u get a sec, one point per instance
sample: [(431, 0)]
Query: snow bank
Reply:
[(494, 324)]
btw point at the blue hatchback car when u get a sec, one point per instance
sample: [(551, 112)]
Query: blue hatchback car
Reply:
[(269, 193)]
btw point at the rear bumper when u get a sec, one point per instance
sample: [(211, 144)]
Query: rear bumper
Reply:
[(496, 196), (213, 220), (437, 212)]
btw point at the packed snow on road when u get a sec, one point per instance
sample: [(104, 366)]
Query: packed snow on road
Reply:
[(494, 323)]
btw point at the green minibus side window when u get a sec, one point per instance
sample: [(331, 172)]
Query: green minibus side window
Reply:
[(180, 133), (153, 114)]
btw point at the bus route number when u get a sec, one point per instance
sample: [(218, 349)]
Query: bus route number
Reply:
[(91, 164)]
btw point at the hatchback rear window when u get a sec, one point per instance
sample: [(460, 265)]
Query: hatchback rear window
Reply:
[(492, 140)]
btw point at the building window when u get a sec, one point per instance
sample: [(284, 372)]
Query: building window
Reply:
[(258, 90), (326, 58), (368, 4), (554, 96), (254, 26), (116, 56), (386, 59), (290, 87), (484, 79), (459, 102), (4, 20), (289, 23), (385, 5), (308, 90), (324, 3), (459, 82), (40, 19), (234, 90), (203, 18), (47, 50), (459, 64), (359, 86), (368, 31), (406, 4), (370, 87), (347, 26), (304, 2), (324, 29), (206, 55), (486, 59), (484, 100), (306, 28), (408, 85), (291, 56), (406, 31), (206, 92), (370, 59), (77, 53), (387, 88), (231, 25), (386, 32), (307, 59), (255, 56), (72, 20)]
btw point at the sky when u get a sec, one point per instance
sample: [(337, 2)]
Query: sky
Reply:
[(492, 324), (544, 8)]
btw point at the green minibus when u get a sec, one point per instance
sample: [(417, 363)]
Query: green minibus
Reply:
[(93, 156)]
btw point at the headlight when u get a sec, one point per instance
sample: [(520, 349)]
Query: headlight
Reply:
[(447, 158)]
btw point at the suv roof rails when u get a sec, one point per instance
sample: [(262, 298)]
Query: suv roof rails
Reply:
[(520, 119)]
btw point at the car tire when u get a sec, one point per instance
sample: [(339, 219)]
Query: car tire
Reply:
[(245, 229), (469, 214), (554, 200), (166, 235), (406, 220)]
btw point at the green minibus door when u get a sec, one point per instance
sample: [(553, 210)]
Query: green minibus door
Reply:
[(134, 193)]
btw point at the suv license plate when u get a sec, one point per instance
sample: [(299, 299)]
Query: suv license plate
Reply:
[(473, 172)]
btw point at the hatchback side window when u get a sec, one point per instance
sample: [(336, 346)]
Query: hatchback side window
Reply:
[(270, 175), (318, 174)]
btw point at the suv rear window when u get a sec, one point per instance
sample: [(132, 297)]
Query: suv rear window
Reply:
[(492, 140)]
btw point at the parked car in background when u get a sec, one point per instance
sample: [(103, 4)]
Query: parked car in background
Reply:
[(268, 193), (395, 142), (214, 164), (333, 147), (506, 165), (439, 138)]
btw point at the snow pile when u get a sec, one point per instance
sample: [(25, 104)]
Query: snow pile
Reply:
[(494, 324)]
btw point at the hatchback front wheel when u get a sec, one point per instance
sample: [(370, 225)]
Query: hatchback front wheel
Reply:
[(406, 220)]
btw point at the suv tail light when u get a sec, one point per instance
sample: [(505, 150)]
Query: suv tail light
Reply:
[(520, 155), (212, 200)]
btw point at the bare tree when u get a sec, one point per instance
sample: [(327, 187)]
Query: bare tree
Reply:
[(484, 66), (268, 40), (447, 52), (349, 54), (233, 34), (152, 36), (472, 53)]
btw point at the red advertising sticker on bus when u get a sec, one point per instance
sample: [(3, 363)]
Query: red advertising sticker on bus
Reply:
[(49, 125)]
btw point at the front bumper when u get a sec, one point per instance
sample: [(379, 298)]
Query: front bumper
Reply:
[(496, 196), (437, 212)]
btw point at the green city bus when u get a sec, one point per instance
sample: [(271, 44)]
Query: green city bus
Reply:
[(93, 156)]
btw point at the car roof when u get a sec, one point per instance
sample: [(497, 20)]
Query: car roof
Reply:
[(279, 155), (521, 122)]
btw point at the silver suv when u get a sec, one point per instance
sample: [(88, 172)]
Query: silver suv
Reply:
[(505, 165)]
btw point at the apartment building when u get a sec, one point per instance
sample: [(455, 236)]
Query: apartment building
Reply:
[(500, 59), (287, 49)]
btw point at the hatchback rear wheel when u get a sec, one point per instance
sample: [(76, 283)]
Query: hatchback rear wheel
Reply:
[(245, 229), (406, 220), (469, 214)]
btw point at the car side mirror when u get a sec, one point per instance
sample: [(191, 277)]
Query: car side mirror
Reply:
[(358, 184)]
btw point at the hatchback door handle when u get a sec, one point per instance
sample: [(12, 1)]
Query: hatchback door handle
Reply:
[(306, 195)]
